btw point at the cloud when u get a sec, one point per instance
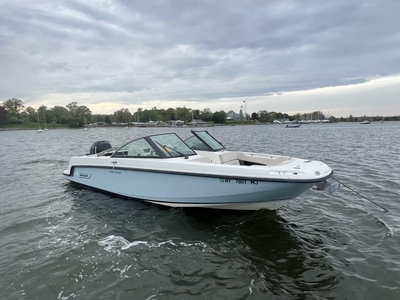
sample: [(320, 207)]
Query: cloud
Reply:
[(196, 53)]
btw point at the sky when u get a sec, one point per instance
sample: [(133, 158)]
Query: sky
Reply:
[(295, 56)]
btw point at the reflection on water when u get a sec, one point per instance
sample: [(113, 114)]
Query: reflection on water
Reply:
[(62, 241)]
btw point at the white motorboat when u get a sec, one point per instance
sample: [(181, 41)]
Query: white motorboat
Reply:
[(199, 172), (292, 125)]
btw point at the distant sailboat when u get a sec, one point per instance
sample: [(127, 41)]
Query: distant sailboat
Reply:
[(86, 128), (126, 127), (40, 129), (44, 116)]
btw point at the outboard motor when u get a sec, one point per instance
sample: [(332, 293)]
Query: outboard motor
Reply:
[(99, 146)]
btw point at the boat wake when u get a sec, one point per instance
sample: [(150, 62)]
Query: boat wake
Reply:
[(46, 161), (114, 243), (390, 230)]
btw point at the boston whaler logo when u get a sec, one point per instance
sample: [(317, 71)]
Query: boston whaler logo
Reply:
[(84, 175)]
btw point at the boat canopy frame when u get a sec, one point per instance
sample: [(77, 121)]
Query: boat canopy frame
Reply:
[(164, 145), (202, 140)]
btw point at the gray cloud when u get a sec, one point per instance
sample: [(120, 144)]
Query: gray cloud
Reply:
[(193, 50)]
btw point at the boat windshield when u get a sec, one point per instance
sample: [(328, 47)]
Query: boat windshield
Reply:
[(202, 140), (156, 146), (137, 148), (171, 145)]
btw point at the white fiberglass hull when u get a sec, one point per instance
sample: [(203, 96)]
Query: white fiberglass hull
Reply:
[(175, 189)]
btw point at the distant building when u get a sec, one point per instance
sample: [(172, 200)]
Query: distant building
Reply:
[(176, 123), (196, 122), (231, 115), (281, 121)]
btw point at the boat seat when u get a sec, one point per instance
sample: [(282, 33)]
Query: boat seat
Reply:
[(229, 158), (136, 151), (232, 162), (202, 159)]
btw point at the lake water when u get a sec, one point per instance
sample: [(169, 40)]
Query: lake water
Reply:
[(62, 241)]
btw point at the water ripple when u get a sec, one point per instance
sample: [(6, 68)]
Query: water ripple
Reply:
[(61, 241)]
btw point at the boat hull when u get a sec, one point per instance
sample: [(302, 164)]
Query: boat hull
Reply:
[(188, 190)]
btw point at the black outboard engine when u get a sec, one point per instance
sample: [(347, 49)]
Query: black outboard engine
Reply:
[(99, 146)]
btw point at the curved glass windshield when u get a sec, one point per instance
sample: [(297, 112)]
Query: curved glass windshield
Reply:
[(196, 144), (157, 146), (138, 148), (171, 145), (203, 137)]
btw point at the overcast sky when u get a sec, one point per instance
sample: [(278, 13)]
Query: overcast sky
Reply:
[(341, 56)]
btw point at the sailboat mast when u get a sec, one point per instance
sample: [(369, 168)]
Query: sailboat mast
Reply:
[(38, 118), (44, 118), (245, 108)]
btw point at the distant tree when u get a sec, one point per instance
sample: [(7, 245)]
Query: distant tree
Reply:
[(60, 114), (196, 113), (318, 115), (14, 106), (149, 115), (40, 112), (351, 119), (84, 114), (72, 107), (78, 115), (262, 116), (170, 114), (266, 117), (15, 120), (122, 116), (31, 114), (206, 114), (4, 115), (183, 114), (254, 116), (137, 116), (219, 117), (24, 116)]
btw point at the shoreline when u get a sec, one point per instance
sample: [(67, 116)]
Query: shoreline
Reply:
[(215, 125)]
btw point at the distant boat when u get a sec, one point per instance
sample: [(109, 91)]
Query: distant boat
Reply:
[(40, 129), (44, 116), (292, 125), (365, 122), (127, 123), (86, 127)]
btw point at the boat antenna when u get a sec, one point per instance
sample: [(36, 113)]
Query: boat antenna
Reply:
[(381, 207)]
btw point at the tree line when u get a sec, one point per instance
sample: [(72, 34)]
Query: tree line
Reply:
[(13, 111)]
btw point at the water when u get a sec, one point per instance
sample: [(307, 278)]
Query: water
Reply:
[(62, 241)]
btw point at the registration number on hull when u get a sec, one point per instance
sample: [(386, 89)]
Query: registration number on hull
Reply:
[(238, 181)]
